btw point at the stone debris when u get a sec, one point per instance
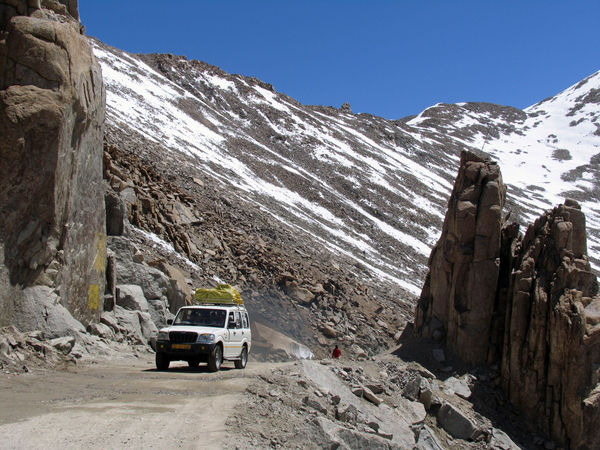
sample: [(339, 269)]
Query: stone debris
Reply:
[(458, 386), (427, 440), (456, 423), (313, 302)]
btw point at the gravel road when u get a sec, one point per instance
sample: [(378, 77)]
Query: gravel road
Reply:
[(117, 404)]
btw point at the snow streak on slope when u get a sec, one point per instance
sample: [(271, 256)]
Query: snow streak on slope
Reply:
[(549, 152), (556, 154), (346, 183), (367, 189)]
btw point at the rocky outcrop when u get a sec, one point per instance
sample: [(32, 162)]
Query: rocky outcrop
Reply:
[(459, 294), (529, 303), (551, 352), (52, 224)]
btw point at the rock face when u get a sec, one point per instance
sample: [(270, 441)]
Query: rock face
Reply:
[(551, 348), (528, 302), (52, 225), (457, 301)]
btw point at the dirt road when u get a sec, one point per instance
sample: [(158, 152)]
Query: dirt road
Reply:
[(120, 404)]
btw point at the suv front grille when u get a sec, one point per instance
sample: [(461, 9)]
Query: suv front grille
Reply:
[(183, 336)]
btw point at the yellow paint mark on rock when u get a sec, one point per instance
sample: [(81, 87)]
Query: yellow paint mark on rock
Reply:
[(94, 296), (100, 263)]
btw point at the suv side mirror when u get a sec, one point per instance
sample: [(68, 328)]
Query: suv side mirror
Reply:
[(169, 321)]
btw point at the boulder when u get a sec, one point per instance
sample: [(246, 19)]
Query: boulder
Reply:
[(329, 435), (129, 325), (314, 403), (411, 390), (502, 441), (101, 330), (180, 293), (301, 295), (368, 394), (147, 326), (456, 423), (358, 352), (346, 413), (63, 344), (109, 319), (458, 386), (425, 393), (40, 309), (164, 295), (159, 311), (131, 296)]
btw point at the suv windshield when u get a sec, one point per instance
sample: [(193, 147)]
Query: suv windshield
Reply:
[(201, 317)]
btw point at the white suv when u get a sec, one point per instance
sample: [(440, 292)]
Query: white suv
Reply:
[(207, 333)]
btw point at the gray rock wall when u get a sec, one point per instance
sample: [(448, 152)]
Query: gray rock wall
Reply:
[(52, 226)]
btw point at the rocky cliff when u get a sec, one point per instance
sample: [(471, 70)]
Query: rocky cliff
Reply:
[(52, 226), (528, 303)]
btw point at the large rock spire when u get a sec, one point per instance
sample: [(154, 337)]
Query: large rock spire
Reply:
[(457, 301)]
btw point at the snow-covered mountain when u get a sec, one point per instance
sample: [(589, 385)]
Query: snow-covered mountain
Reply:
[(370, 190)]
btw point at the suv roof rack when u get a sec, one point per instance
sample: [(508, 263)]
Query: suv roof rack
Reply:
[(223, 294)]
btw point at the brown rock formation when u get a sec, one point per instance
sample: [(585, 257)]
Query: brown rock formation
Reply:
[(457, 301), (530, 302), (551, 348), (52, 225)]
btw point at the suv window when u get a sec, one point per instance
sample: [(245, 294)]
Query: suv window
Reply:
[(245, 320), (201, 317)]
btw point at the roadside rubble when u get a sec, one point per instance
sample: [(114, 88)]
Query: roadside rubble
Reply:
[(376, 403)]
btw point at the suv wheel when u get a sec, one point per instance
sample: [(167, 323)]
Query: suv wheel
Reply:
[(162, 361), (241, 363), (215, 359)]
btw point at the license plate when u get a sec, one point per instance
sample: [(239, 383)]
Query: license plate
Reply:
[(181, 346)]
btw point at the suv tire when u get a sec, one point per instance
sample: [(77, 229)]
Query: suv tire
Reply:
[(241, 363), (162, 361), (215, 359)]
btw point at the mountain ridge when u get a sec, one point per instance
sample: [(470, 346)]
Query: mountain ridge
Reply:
[(372, 189)]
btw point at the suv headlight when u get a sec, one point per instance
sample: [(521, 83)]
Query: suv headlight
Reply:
[(206, 338), (162, 336)]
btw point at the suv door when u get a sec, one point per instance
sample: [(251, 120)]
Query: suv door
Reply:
[(246, 333), (235, 335)]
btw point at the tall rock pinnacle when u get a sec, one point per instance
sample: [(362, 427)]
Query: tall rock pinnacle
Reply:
[(457, 301)]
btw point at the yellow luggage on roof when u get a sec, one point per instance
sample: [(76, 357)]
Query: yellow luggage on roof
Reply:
[(223, 293)]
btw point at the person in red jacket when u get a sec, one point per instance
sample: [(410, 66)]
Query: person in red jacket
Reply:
[(336, 352)]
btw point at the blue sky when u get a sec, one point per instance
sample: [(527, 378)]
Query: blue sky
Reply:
[(387, 58)]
